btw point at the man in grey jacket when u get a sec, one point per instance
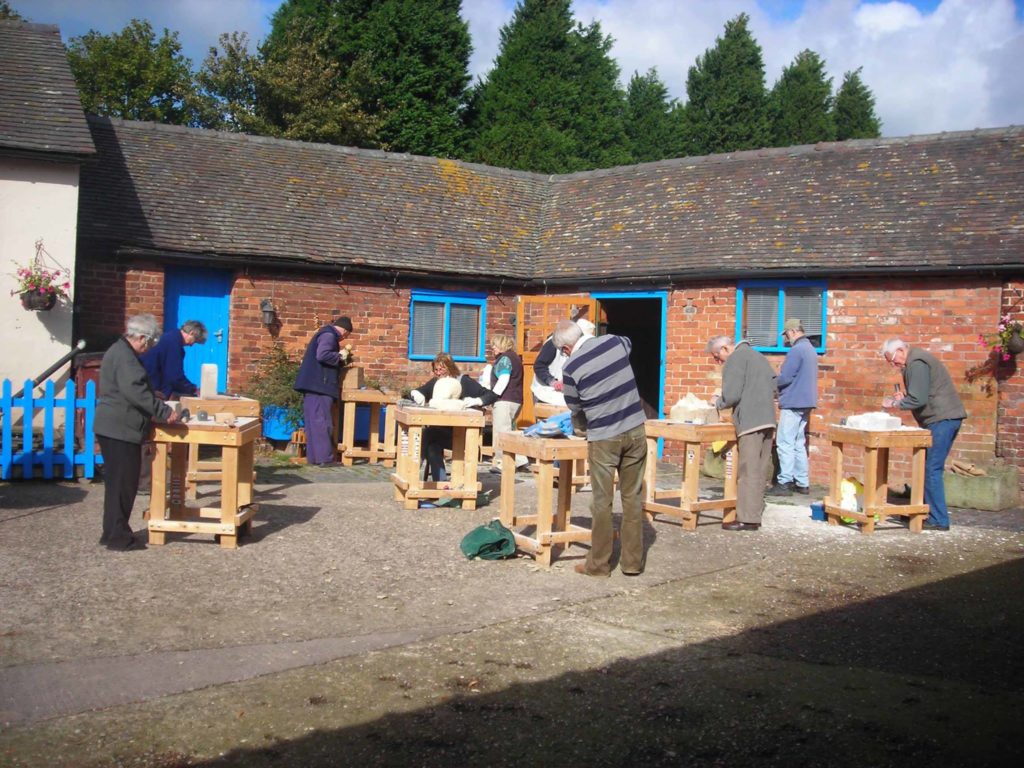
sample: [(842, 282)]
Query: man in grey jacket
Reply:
[(798, 396), (125, 408), (748, 387)]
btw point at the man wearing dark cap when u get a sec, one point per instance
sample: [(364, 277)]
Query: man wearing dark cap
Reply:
[(319, 381), (798, 396)]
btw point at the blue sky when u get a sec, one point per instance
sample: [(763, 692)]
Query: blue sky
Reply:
[(933, 65)]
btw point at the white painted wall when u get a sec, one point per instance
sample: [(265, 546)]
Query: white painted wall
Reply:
[(38, 201)]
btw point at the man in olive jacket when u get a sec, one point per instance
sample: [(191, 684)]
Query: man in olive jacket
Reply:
[(126, 406), (932, 398), (748, 387)]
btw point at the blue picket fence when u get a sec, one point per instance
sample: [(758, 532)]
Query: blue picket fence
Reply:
[(52, 458)]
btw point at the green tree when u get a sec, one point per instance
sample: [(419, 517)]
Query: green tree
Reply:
[(406, 62), (229, 78), (132, 75), (726, 107), (6, 12), (651, 123), (800, 104), (854, 110), (302, 94), (537, 110)]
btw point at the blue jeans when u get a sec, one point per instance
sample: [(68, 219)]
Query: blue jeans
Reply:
[(943, 434), (791, 443)]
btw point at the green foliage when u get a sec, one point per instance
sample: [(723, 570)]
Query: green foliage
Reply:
[(6, 12), (273, 382), (727, 106), (551, 103), (229, 80), (652, 124), (800, 103), (132, 75), (854, 110), (303, 94)]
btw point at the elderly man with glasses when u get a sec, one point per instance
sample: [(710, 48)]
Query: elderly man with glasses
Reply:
[(748, 387), (126, 406), (932, 398)]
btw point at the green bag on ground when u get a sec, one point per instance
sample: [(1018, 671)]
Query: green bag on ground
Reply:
[(492, 541)]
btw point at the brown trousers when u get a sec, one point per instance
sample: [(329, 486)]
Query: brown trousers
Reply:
[(753, 473)]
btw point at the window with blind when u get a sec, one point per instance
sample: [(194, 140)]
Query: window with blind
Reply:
[(440, 321), (765, 305)]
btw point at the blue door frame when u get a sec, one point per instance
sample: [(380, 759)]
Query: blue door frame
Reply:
[(196, 293), (662, 297)]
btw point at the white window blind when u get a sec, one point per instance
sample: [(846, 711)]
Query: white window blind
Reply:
[(804, 303), (427, 328), (464, 330), (761, 316)]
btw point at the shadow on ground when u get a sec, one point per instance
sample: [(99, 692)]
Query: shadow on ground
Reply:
[(925, 677)]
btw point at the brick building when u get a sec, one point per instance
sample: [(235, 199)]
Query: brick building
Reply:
[(921, 237)]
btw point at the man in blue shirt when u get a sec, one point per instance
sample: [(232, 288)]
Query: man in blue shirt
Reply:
[(798, 396), (165, 363)]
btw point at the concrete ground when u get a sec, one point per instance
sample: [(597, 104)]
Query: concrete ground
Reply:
[(348, 631)]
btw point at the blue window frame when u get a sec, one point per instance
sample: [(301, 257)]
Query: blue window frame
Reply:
[(763, 306), (443, 321)]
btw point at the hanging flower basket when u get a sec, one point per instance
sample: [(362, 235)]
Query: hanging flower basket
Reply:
[(1015, 343), (38, 302)]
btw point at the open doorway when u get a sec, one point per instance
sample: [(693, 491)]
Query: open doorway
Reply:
[(641, 318)]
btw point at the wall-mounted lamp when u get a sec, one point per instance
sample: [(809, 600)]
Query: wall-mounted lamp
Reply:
[(269, 313)]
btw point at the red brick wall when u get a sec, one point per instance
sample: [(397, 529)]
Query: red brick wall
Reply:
[(1010, 442), (107, 294), (853, 377)]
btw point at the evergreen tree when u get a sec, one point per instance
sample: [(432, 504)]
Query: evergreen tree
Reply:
[(132, 75), (551, 103), (6, 12), (854, 110), (406, 62), (229, 79), (651, 124), (800, 103), (726, 106)]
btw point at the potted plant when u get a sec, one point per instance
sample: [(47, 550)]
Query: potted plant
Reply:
[(272, 386), (1007, 340), (40, 287)]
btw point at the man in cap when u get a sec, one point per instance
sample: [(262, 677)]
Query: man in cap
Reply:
[(319, 381), (798, 396)]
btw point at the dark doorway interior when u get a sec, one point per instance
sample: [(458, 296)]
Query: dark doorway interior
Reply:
[(640, 320)]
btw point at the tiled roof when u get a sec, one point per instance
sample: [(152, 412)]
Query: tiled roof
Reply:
[(948, 201), (206, 192), (952, 202), (39, 106)]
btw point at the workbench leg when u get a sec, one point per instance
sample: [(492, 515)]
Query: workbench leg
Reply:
[(872, 459), (471, 450), (690, 491), (836, 477), (374, 432), (729, 491), (348, 430), (156, 538), (564, 496), (545, 493), (650, 472), (414, 478), (158, 489), (246, 460), (229, 493), (389, 433), (228, 542), (459, 457), (179, 465), (917, 470), (192, 476), (402, 458), (508, 480)]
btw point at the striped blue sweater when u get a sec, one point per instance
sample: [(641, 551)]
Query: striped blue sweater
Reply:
[(598, 381)]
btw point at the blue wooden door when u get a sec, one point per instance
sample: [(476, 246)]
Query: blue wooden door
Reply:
[(192, 293)]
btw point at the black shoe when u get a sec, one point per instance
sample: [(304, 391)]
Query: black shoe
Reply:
[(781, 489), (930, 526), (736, 525), (801, 489), (328, 464)]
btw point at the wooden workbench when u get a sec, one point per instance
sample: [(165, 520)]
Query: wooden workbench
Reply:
[(694, 437), (210, 470), (876, 445), (168, 512), (375, 450), (552, 526), (462, 484)]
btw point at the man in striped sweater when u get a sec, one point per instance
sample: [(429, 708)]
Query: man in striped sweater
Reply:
[(598, 384)]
